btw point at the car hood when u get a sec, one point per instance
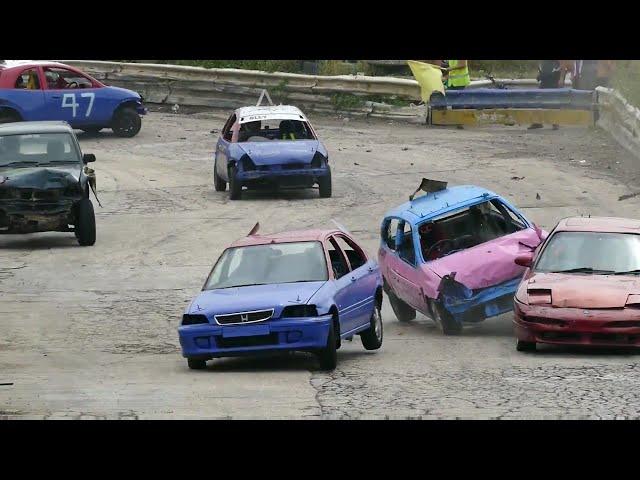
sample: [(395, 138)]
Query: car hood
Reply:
[(280, 152), (489, 263), (42, 178), (255, 297), (585, 291), (124, 92)]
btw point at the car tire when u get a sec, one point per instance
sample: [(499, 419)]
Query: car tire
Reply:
[(523, 346), (9, 116), (372, 337), (445, 321), (218, 183), (196, 363), (85, 227), (235, 187), (126, 122), (403, 312), (324, 185), (328, 356)]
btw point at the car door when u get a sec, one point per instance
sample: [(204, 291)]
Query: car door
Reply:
[(73, 97), (27, 94), (221, 158), (345, 295), (364, 278), (406, 276)]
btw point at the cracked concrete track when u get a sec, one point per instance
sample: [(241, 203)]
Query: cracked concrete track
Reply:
[(91, 332)]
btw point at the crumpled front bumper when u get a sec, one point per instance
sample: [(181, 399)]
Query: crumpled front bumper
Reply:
[(276, 173), (210, 341), (488, 302), (23, 216)]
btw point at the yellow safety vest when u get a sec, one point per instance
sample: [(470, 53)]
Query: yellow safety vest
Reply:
[(291, 136), (458, 76)]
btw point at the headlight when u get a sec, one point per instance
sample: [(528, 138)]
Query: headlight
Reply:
[(247, 163), (318, 161), (297, 311), (188, 319)]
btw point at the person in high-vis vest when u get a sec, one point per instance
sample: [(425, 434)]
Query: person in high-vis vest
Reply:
[(458, 74), (286, 130)]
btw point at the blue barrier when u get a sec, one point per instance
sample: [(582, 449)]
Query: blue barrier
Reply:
[(485, 98)]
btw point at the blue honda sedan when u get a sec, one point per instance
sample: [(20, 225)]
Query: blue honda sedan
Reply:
[(297, 291)]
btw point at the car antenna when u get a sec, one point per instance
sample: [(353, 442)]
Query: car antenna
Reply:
[(263, 94), (254, 230)]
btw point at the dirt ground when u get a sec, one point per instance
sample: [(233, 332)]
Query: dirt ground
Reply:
[(91, 332)]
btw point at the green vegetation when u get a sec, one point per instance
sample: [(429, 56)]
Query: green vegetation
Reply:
[(347, 101)]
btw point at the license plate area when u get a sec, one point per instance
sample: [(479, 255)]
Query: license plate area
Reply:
[(245, 331)]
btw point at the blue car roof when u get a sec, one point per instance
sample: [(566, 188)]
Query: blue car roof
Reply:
[(433, 204)]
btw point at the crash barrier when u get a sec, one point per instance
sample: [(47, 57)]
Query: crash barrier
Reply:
[(233, 88), (619, 118), (563, 106)]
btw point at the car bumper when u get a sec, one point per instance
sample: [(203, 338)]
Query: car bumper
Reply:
[(302, 176), (141, 109), (489, 302), (570, 326), (210, 341), (20, 216)]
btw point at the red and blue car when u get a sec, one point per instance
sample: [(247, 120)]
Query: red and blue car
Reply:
[(37, 91), (297, 291)]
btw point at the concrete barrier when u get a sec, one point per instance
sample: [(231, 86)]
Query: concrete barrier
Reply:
[(619, 118)]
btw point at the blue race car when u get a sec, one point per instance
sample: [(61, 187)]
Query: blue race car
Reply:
[(297, 291), (270, 146), (32, 91)]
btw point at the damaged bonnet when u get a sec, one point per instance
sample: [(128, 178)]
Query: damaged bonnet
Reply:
[(40, 178)]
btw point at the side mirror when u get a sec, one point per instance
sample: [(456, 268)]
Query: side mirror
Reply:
[(524, 260), (88, 158)]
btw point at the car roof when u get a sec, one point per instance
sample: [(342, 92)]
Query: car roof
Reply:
[(21, 128), (275, 112), (599, 224), (29, 63), (285, 237), (436, 203)]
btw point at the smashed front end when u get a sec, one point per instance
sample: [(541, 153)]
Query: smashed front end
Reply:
[(38, 200)]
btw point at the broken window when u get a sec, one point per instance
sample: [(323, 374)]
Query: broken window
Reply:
[(389, 230), (338, 261), (61, 78), (466, 228), (227, 132), (405, 245), (353, 253)]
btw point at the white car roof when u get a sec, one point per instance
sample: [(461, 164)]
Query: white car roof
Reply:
[(278, 112), (18, 63)]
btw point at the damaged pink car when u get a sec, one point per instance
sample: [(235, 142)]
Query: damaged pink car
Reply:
[(450, 255)]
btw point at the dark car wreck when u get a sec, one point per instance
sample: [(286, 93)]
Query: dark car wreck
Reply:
[(44, 181)]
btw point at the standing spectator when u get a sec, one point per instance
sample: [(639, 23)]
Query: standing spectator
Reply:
[(550, 74), (457, 74)]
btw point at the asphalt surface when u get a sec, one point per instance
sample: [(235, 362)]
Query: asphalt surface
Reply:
[(91, 332)]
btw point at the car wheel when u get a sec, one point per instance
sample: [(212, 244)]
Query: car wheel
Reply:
[(403, 312), (372, 337), (235, 187), (85, 227), (196, 363), (523, 346), (328, 356), (324, 185), (126, 122), (9, 116), (218, 183), (445, 320)]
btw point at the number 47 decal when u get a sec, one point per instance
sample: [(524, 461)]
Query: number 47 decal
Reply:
[(69, 101)]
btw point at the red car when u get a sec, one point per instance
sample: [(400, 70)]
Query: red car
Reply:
[(582, 286)]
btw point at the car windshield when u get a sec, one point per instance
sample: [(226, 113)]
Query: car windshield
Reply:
[(37, 149), (274, 130), (591, 253), (266, 264)]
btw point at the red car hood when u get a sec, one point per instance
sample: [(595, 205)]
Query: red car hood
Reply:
[(585, 291), (489, 263)]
